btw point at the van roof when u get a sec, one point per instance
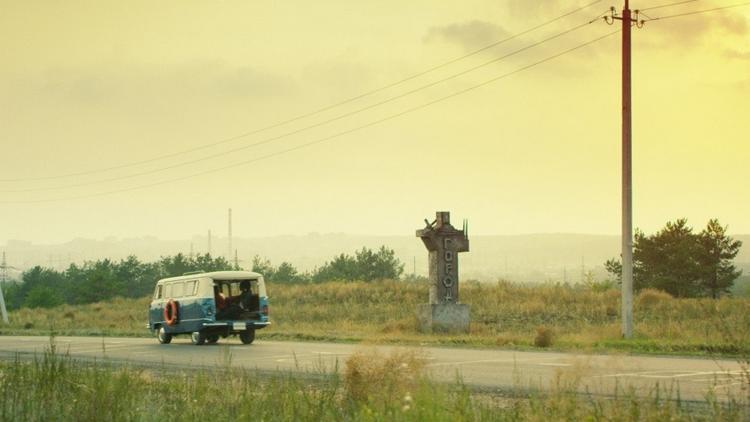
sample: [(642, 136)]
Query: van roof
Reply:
[(217, 275)]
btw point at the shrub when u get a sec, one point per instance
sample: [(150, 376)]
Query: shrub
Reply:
[(544, 337), (42, 297), (379, 380), (649, 298)]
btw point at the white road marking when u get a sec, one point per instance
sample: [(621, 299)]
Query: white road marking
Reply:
[(654, 374), (554, 364), (466, 362)]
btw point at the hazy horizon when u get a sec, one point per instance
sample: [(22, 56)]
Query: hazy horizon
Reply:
[(527, 258)]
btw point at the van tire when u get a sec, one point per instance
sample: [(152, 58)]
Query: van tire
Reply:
[(247, 337), (198, 338), (163, 336)]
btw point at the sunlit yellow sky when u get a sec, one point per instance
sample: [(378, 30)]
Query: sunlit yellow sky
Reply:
[(90, 85)]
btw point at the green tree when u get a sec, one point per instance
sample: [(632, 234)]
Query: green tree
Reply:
[(207, 263), (380, 265), (342, 267), (286, 273), (42, 297), (263, 266), (682, 263), (12, 294), (668, 261), (365, 265), (39, 277), (718, 273)]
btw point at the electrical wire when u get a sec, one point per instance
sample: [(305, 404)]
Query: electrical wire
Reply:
[(336, 135), (695, 12), (314, 112), (667, 5), (306, 128)]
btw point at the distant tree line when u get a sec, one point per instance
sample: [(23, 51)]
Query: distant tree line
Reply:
[(683, 263), (104, 279), (364, 265)]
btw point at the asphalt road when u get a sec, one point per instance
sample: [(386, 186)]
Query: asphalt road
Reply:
[(484, 369)]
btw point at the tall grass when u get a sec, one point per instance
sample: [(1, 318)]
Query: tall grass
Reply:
[(502, 314), (55, 387)]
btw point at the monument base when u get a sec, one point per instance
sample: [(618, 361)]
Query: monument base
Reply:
[(443, 318)]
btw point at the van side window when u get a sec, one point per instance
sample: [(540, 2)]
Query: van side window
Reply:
[(179, 289), (191, 288), (168, 290)]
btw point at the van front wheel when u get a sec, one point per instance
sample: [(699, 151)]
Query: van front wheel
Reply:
[(198, 338), (163, 336), (248, 336)]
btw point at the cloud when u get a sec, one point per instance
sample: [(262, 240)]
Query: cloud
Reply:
[(737, 55), (734, 24), (693, 29), (109, 84), (469, 35)]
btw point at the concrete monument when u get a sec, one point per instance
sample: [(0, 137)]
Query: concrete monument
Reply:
[(444, 313)]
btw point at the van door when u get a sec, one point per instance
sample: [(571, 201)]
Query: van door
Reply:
[(191, 311), (156, 309)]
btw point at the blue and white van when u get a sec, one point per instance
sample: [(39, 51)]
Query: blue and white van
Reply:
[(208, 306)]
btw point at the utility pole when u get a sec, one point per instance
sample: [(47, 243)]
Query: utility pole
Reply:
[(229, 236), (4, 277), (209, 242), (627, 173), (583, 269)]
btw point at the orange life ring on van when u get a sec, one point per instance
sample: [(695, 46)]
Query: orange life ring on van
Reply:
[(171, 312)]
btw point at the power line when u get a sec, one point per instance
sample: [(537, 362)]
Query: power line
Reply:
[(313, 126), (695, 12), (317, 111), (666, 5), (336, 135)]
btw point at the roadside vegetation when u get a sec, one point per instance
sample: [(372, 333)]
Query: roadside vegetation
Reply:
[(370, 387), (95, 281), (504, 314), (683, 303)]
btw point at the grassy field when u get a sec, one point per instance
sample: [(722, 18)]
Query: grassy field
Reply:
[(370, 387), (503, 315)]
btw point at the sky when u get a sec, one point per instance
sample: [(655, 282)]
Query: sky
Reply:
[(171, 112)]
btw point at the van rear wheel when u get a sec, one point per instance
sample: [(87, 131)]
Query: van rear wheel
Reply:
[(248, 336), (198, 338), (163, 336)]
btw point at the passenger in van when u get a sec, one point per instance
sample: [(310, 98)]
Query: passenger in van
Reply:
[(221, 301), (246, 295), (237, 305)]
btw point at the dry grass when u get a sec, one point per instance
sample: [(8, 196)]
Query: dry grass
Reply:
[(375, 378), (503, 315), (652, 298), (375, 388), (544, 337)]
